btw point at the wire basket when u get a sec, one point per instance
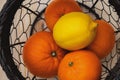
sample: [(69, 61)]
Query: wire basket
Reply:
[(19, 19)]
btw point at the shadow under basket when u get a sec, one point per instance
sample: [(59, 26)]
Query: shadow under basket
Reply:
[(19, 20)]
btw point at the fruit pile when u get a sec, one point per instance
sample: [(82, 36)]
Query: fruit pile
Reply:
[(73, 47)]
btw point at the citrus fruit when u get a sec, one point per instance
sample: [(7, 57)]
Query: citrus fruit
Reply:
[(58, 8), (41, 55), (74, 31), (104, 40), (80, 65)]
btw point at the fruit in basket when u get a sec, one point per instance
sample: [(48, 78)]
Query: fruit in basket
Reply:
[(104, 40), (80, 65), (58, 8), (74, 31), (41, 55)]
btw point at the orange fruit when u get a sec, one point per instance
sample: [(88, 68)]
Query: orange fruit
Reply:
[(80, 65), (41, 55), (104, 40), (58, 8)]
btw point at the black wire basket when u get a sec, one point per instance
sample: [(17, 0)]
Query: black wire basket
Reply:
[(19, 19)]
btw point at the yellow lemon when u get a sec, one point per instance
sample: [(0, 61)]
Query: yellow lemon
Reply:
[(74, 31)]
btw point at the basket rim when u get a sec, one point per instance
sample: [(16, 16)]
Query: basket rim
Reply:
[(6, 18)]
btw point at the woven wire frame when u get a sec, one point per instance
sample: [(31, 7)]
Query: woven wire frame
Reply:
[(29, 19)]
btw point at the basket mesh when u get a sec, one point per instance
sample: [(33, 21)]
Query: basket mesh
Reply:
[(29, 19)]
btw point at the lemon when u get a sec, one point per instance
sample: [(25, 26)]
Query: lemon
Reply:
[(74, 30)]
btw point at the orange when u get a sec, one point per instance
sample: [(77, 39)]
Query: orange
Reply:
[(80, 65), (104, 40), (58, 8), (41, 55)]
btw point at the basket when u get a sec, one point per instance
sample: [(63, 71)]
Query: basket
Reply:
[(19, 20)]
